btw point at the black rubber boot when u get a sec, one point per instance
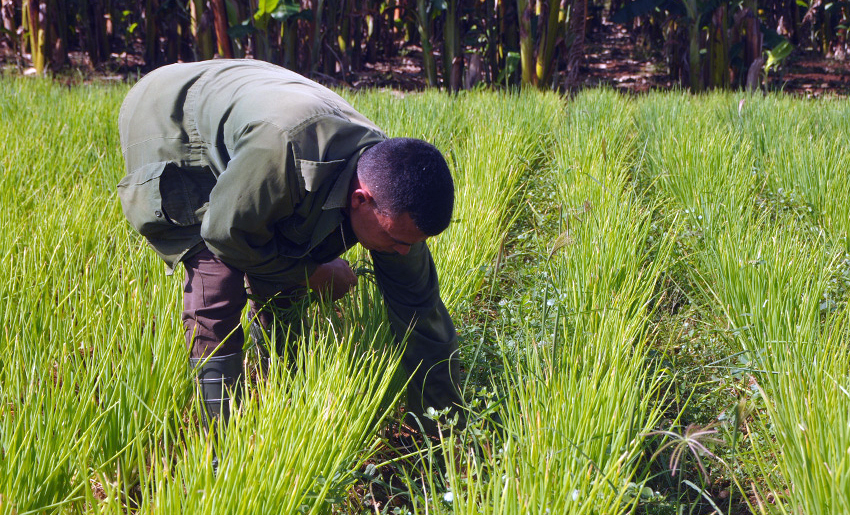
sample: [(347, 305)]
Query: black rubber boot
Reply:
[(434, 384), (220, 384), (284, 341)]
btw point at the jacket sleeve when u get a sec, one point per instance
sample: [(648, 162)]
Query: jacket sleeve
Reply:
[(259, 187), (412, 296)]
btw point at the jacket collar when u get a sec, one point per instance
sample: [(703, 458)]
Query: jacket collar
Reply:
[(338, 196)]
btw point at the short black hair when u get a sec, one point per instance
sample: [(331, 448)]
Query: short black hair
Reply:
[(407, 175)]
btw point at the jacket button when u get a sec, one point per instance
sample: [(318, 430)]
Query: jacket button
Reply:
[(158, 213)]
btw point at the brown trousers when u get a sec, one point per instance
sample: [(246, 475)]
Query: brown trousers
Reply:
[(214, 294)]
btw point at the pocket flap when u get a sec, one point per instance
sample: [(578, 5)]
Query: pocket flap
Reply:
[(140, 196), (315, 173)]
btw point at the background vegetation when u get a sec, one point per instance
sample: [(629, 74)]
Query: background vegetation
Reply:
[(455, 43), (651, 294)]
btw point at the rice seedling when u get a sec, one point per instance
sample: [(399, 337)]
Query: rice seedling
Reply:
[(583, 359), (703, 170), (295, 445), (765, 274), (770, 289), (807, 402), (491, 142)]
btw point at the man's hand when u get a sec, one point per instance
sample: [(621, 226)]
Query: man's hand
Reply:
[(335, 278)]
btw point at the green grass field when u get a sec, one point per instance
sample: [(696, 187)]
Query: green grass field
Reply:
[(651, 292)]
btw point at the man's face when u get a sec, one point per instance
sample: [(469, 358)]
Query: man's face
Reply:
[(381, 233)]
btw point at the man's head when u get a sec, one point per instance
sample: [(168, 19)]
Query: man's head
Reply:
[(403, 193)]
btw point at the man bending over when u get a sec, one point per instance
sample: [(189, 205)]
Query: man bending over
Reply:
[(247, 173)]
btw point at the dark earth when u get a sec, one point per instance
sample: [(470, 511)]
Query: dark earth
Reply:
[(613, 58)]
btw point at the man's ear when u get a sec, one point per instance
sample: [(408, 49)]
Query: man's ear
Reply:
[(359, 197)]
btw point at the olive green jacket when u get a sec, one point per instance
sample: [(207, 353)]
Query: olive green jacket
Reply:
[(254, 162), (248, 158)]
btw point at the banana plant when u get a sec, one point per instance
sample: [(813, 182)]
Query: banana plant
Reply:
[(199, 16), (287, 13), (272, 19), (262, 17), (266, 14), (225, 46), (452, 60), (526, 42), (552, 31), (777, 54), (694, 18), (550, 18), (318, 11), (36, 35), (718, 48), (712, 42), (7, 15), (426, 12)]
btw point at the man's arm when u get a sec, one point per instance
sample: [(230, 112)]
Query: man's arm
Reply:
[(411, 292)]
